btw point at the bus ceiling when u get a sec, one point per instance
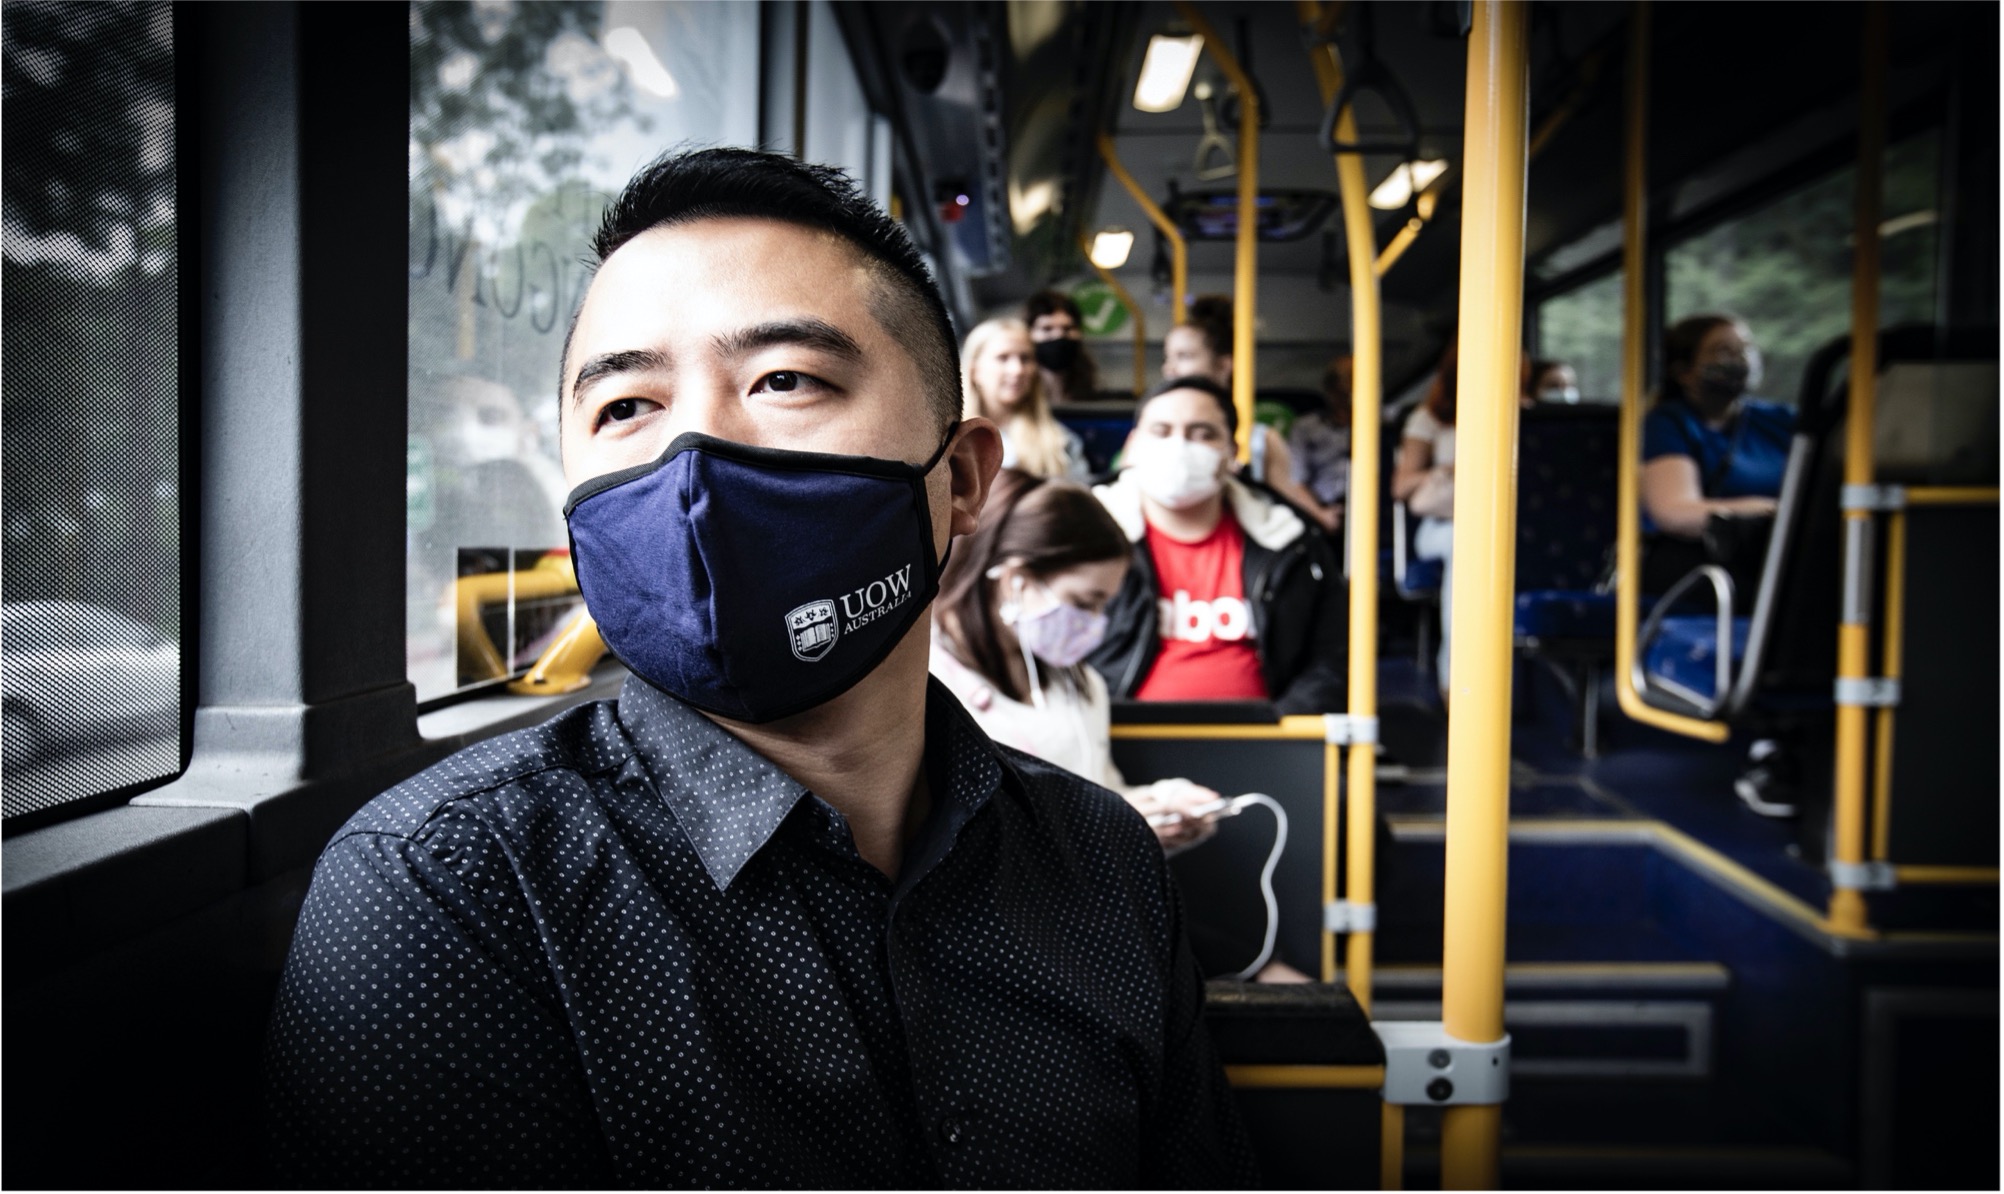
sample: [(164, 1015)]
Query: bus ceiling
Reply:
[(1003, 103)]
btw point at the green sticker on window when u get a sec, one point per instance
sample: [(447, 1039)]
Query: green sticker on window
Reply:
[(1103, 312)]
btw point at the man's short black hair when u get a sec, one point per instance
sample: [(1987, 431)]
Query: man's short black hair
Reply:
[(1202, 385), (679, 187)]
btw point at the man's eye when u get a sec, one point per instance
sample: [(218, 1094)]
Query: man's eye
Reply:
[(785, 381), (619, 412)]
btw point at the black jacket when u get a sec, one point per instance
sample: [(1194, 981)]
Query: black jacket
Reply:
[(1294, 581)]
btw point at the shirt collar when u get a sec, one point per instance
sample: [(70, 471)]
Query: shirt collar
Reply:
[(729, 800)]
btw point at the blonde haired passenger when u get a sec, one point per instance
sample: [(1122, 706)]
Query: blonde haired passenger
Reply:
[(998, 363)]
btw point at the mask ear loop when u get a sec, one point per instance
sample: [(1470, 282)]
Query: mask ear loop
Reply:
[(1029, 656)]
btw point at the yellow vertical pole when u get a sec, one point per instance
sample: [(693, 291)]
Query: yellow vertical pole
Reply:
[(1392, 1147), (1634, 310), (1179, 249), (1847, 904), (1494, 160), (1362, 514), (1245, 273), (1889, 667), (1133, 308)]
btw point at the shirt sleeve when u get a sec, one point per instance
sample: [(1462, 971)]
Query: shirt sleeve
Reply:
[(1195, 1140), (414, 1041), (1664, 435), (1421, 425)]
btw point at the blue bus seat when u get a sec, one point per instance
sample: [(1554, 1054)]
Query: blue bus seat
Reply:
[(1567, 485), (1547, 614), (1684, 655)]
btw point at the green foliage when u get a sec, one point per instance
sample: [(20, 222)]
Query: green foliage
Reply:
[(1784, 268)]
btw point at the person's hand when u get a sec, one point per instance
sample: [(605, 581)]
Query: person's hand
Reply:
[(1170, 803)]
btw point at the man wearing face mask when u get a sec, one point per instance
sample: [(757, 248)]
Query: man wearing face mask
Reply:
[(780, 915), (1232, 596)]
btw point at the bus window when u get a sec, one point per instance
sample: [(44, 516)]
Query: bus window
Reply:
[(92, 615), (1785, 267), (524, 119), (1582, 327)]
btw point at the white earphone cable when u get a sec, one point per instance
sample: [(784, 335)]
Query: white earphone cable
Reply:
[(1266, 878)]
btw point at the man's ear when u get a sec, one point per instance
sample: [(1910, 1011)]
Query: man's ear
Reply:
[(972, 462)]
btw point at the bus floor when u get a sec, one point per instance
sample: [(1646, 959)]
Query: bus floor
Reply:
[(1680, 1012)]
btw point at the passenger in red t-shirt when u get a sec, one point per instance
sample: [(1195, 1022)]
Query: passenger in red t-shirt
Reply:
[(1233, 595)]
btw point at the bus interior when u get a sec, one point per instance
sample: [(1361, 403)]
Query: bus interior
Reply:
[(287, 287)]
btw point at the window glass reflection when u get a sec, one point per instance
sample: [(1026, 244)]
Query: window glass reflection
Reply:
[(525, 118)]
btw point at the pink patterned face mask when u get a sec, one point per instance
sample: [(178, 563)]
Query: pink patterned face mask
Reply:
[(1062, 635)]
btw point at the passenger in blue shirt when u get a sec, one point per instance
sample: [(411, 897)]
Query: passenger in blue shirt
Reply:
[(1709, 449)]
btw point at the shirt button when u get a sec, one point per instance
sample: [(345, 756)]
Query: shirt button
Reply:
[(951, 1130)]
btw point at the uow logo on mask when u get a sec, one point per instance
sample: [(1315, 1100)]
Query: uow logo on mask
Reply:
[(813, 628), (1225, 619), (876, 599)]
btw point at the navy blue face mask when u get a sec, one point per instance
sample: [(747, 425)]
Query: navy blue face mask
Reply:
[(755, 583)]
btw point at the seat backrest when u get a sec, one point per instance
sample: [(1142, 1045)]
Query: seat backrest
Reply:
[(1931, 428), (1567, 472)]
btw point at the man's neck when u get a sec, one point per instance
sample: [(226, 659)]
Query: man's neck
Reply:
[(863, 752), (1185, 526)]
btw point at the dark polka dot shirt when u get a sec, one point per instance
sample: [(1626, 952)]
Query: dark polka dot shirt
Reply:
[(622, 948)]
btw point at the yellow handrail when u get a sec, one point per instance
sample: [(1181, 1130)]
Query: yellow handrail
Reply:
[(1429, 199), (1628, 511), (1301, 727), (1847, 904), (1366, 343), (1316, 1077), (1950, 495), (1245, 273), (1409, 232), (1494, 166), (565, 665), (550, 577), (1971, 876), (1133, 308), (1179, 249)]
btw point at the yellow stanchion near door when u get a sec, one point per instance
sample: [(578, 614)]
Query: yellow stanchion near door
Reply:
[(1478, 731), (1367, 371), (1634, 344), (1847, 899)]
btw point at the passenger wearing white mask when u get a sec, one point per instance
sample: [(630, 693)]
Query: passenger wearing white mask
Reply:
[(1553, 383), (1021, 604), (1232, 595)]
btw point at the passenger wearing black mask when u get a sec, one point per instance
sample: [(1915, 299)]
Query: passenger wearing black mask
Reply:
[(1710, 450), (1707, 447), (781, 915), (1057, 335)]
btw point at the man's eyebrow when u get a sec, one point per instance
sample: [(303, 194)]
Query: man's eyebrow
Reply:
[(607, 364), (804, 333)]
